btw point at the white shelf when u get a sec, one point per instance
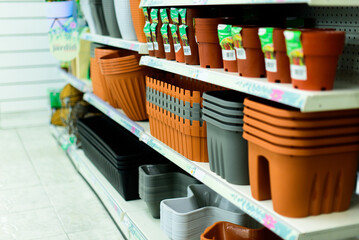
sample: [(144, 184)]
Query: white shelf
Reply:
[(117, 42), (344, 95), (132, 217), (159, 3), (82, 85), (325, 226)]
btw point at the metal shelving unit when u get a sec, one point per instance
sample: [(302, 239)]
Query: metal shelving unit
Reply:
[(325, 226), (122, 212), (82, 85), (117, 42), (160, 3)]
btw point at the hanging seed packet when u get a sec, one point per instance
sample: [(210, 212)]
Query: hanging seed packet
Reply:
[(183, 12), (266, 38), (298, 70), (145, 13), (176, 39), (154, 35), (226, 42), (175, 16), (166, 42), (154, 15), (237, 41), (185, 42), (164, 16), (147, 31)]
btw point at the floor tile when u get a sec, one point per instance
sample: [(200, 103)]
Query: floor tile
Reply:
[(80, 217), (70, 193), (41, 223), (18, 177), (12, 150), (96, 235), (23, 199)]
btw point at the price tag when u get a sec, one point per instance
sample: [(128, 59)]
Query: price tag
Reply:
[(241, 53), (167, 48), (298, 72), (150, 46), (187, 50), (155, 44), (197, 173), (177, 47), (229, 55), (271, 65)]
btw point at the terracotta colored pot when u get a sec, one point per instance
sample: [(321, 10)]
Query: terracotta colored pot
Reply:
[(170, 55), (210, 52), (180, 53), (109, 95), (301, 133), (230, 66), (298, 124), (321, 51), (160, 53), (283, 71), (301, 142), (284, 111), (192, 59), (97, 87), (230, 231), (138, 20), (253, 65), (302, 182)]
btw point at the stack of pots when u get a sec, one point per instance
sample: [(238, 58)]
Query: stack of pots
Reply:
[(314, 68), (174, 109), (227, 230), (210, 52), (138, 19), (293, 156), (115, 152), (186, 218), (177, 40), (148, 31), (157, 39), (99, 83), (227, 150), (124, 19), (110, 18), (162, 181), (86, 9), (126, 79)]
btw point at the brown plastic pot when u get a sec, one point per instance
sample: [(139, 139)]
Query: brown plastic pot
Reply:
[(301, 142), (230, 66), (321, 51), (138, 19), (191, 14), (231, 231), (210, 52), (253, 65), (301, 133), (284, 111), (298, 124), (97, 87), (160, 53), (172, 54), (283, 70), (302, 182), (180, 53)]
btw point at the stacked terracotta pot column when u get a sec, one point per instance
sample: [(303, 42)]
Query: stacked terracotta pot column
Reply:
[(167, 34), (138, 19), (126, 79), (148, 33), (293, 156), (228, 51), (156, 33), (314, 57), (177, 41)]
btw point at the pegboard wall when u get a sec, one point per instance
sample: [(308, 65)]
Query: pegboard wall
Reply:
[(343, 19)]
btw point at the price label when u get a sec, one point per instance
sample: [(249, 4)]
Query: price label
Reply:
[(298, 72), (155, 45), (228, 55), (167, 48), (241, 53), (187, 50), (177, 47), (271, 65), (150, 46)]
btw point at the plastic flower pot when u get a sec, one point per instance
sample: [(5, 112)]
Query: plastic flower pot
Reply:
[(186, 218), (98, 88), (124, 19), (86, 9), (232, 119), (110, 18), (301, 133), (301, 142), (321, 51), (107, 91), (293, 177), (227, 151), (227, 45), (210, 52), (284, 111), (227, 230), (98, 15), (166, 33), (156, 34), (191, 56), (220, 109), (276, 59), (229, 99), (298, 124), (253, 63), (159, 182), (138, 19)]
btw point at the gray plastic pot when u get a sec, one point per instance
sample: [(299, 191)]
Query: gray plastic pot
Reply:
[(225, 98), (98, 17), (162, 181), (186, 218), (110, 18), (227, 152), (223, 125), (223, 118), (229, 112)]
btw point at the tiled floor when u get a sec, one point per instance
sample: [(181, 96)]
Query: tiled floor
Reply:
[(42, 196)]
